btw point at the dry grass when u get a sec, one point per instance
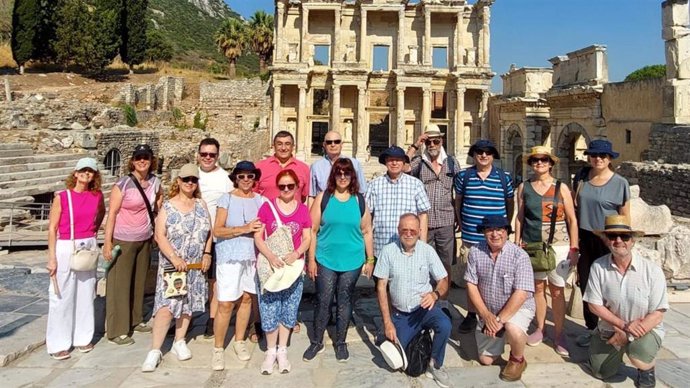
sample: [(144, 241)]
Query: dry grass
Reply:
[(6, 59), (162, 68)]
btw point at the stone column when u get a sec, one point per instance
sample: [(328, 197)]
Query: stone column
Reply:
[(400, 118), (426, 107), (336, 56), (427, 37), (461, 143), (362, 124), (304, 47), (335, 109), (484, 55), (483, 115), (362, 35), (278, 41), (458, 50), (276, 110), (401, 37), (303, 143)]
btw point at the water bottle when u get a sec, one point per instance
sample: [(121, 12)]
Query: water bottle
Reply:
[(117, 251)]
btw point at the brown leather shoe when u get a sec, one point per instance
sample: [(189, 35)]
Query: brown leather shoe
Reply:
[(513, 371)]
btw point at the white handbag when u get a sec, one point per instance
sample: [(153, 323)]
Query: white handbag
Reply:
[(84, 259)]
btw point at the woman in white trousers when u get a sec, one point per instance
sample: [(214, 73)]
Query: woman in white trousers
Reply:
[(75, 216)]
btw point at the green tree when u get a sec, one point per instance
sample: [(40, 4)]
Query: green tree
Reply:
[(158, 48), (231, 42), (25, 19), (106, 27), (260, 36), (133, 48), (6, 7), (46, 29), (73, 42), (647, 72)]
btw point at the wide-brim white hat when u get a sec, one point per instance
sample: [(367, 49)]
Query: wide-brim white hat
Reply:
[(282, 278), (394, 355)]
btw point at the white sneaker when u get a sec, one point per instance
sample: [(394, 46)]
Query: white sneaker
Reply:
[(218, 359), (181, 350), (152, 360)]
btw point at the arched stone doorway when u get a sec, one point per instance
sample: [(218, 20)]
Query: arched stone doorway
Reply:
[(572, 142), (513, 153), (113, 162)]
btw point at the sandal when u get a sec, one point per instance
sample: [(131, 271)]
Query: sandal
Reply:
[(62, 355), (85, 348), (255, 332)]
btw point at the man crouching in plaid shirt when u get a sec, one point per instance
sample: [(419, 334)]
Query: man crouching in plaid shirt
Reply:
[(500, 284)]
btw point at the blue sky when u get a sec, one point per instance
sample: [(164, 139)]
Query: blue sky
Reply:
[(529, 32)]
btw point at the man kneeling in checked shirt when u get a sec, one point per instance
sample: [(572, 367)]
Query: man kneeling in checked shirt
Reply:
[(406, 265), (500, 284)]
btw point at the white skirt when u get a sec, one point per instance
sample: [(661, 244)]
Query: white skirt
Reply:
[(235, 278)]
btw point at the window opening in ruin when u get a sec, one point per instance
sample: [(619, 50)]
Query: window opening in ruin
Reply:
[(628, 136), (322, 55), (440, 57), (379, 131), (381, 58), (113, 162), (320, 102), (318, 132), (438, 109)]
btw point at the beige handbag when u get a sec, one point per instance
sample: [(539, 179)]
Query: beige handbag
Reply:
[(83, 259), (280, 243), (574, 307)]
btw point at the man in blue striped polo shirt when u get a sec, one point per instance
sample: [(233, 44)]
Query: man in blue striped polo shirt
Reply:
[(481, 190)]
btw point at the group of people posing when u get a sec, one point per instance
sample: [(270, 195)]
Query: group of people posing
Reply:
[(219, 238)]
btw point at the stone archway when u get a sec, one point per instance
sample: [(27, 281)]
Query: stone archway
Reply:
[(572, 142), (513, 150)]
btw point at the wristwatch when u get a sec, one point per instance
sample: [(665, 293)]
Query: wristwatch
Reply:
[(498, 319)]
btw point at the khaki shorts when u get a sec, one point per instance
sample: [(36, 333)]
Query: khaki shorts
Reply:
[(558, 275), (494, 346), (604, 359)]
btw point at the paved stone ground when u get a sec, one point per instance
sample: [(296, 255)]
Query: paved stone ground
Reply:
[(22, 327)]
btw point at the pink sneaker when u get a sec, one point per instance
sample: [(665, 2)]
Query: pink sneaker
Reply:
[(269, 362), (535, 338), (283, 363), (561, 348)]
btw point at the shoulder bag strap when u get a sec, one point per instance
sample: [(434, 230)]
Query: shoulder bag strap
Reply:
[(71, 219), (275, 213), (554, 211), (146, 200)]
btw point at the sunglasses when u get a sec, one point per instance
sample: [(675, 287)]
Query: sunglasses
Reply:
[(543, 159), (434, 141), (625, 237), (483, 152), (211, 155), (288, 187), (343, 175), (336, 141), (600, 156), (246, 176), (409, 232), (85, 170), (142, 157), (190, 179)]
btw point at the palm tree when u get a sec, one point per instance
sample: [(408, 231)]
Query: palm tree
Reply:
[(260, 37), (231, 41)]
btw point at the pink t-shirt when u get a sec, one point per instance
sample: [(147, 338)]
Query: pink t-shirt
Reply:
[(84, 209), (297, 221), (270, 167), (133, 222)]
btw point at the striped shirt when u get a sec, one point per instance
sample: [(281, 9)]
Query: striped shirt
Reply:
[(633, 295), (481, 198), (497, 280), (409, 276), (388, 200)]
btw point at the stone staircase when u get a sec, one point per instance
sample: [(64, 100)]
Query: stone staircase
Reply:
[(24, 175)]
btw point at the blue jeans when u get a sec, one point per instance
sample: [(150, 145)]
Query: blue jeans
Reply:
[(407, 325), (341, 284)]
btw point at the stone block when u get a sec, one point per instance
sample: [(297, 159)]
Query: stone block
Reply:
[(654, 220), (675, 251), (84, 140)]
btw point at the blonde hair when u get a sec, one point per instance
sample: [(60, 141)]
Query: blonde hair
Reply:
[(175, 189), (94, 185)]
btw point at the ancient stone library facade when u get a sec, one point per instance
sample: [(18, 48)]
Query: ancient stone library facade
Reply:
[(378, 71)]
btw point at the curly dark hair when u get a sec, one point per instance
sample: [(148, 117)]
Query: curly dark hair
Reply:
[(343, 165)]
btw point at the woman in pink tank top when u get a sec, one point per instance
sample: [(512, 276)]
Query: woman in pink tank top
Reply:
[(71, 294)]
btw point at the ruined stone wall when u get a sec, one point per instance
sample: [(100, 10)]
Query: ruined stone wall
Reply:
[(661, 184), (236, 106), (669, 144)]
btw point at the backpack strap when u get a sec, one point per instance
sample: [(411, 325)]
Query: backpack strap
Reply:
[(324, 200), (361, 203), (504, 183), (359, 197)]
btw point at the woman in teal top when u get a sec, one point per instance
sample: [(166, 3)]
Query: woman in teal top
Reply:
[(342, 225)]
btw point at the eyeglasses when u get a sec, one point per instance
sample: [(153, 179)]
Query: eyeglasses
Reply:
[(246, 176), (600, 156), (336, 141), (211, 155), (410, 232), (543, 159), (287, 187), (343, 174), (625, 237), (190, 179), (434, 141), (142, 157)]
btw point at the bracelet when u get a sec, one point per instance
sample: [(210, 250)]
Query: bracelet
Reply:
[(370, 260), (414, 146), (574, 249), (438, 295), (208, 253)]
